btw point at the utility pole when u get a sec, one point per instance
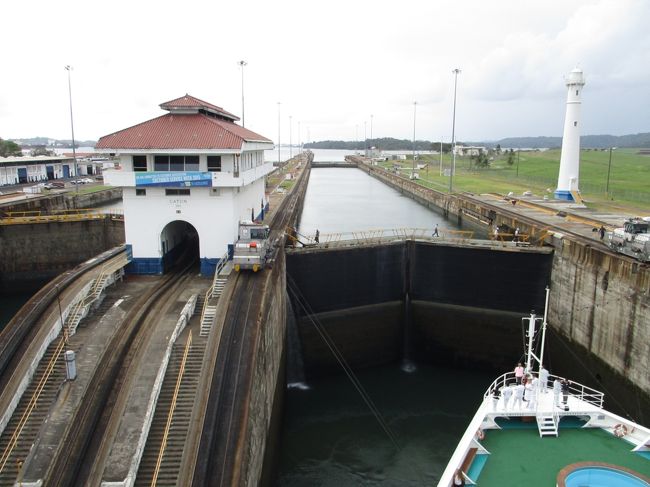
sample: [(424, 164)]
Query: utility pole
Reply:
[(453, 134), (415, 105), (609, 170), (279, 134), (290, 143), (243, 118), (68, 68)]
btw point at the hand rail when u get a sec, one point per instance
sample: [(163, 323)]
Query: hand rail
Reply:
[(32, 404), (172, 409), (580, 391)]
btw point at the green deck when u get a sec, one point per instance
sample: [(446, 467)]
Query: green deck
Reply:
[(520, 457)]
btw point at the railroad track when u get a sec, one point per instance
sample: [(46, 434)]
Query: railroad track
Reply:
[(218, 460), (24, 425), (170, 461), (87, 437), (23, 326), (218, 446)]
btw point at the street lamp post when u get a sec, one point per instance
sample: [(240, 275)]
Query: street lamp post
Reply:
[(371, 117), (609, 170), (365, 138), (290, 143), (68, 68), (415, 105), (278, 134), (243, 118), (453, 134)]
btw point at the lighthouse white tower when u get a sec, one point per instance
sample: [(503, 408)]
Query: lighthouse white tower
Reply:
[(567, 181)]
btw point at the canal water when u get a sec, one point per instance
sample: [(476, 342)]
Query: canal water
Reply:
[(329, 436)]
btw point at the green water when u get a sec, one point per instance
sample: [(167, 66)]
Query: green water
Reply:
[(330, 438), (9, 304)]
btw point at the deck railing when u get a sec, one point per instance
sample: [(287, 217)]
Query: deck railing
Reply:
[(577, 390)]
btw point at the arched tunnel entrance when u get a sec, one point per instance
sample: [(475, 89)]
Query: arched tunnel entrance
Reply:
[(179, 242)]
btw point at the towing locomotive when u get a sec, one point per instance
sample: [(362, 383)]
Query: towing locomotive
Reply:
[(633, 239), (252, 248)]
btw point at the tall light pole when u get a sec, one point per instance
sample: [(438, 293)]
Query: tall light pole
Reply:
[(609, 170), (356, 137), (290, 143), (299, 141), (278, 134), (371, 117), (365, 138), (243, 119), (453, 134), (415, 105), (68, 68)]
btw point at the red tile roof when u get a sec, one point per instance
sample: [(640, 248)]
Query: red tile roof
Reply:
[(181, 131), (188, 101)]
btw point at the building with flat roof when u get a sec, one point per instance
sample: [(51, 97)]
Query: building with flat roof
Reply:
[(35, 169), (190, 174)]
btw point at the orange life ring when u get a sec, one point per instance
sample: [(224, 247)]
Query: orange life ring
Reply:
[(620, 430), (480, 434)]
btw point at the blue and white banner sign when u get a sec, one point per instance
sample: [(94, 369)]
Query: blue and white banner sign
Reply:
[(173, 179)]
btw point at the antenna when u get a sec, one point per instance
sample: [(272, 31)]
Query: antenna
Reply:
[(533, 319)]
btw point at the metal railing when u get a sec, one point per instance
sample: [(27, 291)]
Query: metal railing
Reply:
[(172, 409), (26, 217), (577, 390), (388, 235), (32, 402)]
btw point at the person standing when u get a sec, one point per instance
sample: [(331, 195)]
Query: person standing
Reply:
[(557, 388), (601, 232), (519, 373), (317, 236), (565, 391), (495, 398), (519, 395), (543, 379), (506, 394), (458, 478), (435, 231)]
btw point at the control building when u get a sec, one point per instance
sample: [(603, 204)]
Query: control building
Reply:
[(191, 174)]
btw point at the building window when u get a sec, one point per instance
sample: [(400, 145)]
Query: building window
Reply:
[(139, 163), (214, 163), (176, 163), (177, 192), (161, 163), (575, 124), (576, 92), (191, 163), (140, 192)]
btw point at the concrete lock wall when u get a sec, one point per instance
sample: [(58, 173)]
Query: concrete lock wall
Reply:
[(601, 303), (31, 254), (430, 302), (65, 201)]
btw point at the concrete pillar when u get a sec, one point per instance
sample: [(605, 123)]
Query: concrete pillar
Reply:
[(70, 365), (570, 159)]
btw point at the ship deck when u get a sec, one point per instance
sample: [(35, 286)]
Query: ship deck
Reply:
[(518, 456)]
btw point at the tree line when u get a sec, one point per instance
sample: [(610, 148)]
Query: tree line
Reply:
[(385, 143)]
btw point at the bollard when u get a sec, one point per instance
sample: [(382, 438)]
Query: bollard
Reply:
[(70, 365)]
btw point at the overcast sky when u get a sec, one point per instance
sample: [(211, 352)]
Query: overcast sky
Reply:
[(332, 64)]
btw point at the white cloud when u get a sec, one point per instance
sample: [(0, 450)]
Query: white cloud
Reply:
[(331, 64)]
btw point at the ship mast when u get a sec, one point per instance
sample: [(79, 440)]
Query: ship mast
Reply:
[(531, 357)]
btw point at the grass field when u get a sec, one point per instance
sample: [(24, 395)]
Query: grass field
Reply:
[(629, 180)]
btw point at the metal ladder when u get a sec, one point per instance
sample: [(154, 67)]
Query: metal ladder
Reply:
[(547, 424)]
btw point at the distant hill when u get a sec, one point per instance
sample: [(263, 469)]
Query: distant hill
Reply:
[(385, 143), (586, 141), (51, 143)]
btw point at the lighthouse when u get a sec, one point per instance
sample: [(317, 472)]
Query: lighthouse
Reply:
[(567, 181)]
